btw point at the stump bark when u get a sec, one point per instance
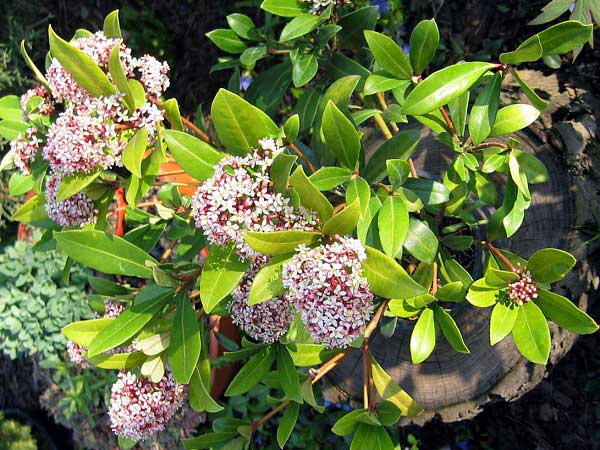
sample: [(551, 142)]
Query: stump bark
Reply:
[(455, 386)]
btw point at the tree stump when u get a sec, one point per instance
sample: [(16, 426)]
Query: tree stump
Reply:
[(455, 386)]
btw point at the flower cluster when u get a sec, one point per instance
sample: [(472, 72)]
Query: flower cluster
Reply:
[(327, 286), (76, 352), (267, 321), (45, 106), (139, 408), (318, 5), (239, 197), (74, 211), (24, 149), (524, 289)]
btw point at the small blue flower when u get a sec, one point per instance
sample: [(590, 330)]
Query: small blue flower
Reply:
[(338, 405), (327, 403), (258, 440), (463, 445), (347, 407), (245, 82), (406, 49), (383, 5)]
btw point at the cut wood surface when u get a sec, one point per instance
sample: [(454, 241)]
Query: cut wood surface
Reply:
[(453, 385)]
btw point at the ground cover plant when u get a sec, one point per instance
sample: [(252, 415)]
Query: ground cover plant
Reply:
[(284, 216)]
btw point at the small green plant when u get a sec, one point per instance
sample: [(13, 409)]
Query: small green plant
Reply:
[(35, 303), (15, 435)]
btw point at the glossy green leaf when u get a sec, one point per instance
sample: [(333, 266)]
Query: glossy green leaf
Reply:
[(111, 28), (194, 156), (242, 25), (514, 118), (150, 301), (107, 254), (199, 395), (227, 40), (393, 225), (442, 86), (304, 68), (481, 294), (11, 129), (371, 437), (450, 329), (398, 171), (327, 178), (502, 321), (387, 278), (353, 25), (531, 333), (287, 424), (83, 332), (280, 171), (530, 50), (118, 360), (133, 153), (483, 112), (267, 282), (185, 344), (345, 221), (284, 8), (550, 264), (73, 183), (359, 189), (32, 211), (120, 78), (307, 107), (422, 339), (389, 55), (173, 114), (291, 128), (310, 196), (565, 313), (251, 373), (429, 191), (530, 93), (401, 146), (209, 440), (552, 11), (299, 26), (81, 66), (420, 241), (341, 136), (239, 124), (38, 74), (280, 242), (424, 41), (534, 169), (287, 374), (19, 184), (378, 83), (221, 274)]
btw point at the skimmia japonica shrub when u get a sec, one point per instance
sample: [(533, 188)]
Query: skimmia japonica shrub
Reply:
[(307, 233)]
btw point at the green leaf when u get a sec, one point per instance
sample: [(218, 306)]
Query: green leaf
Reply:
[(345, 221), (280, 242), (514, 118), (483, 112), (424, 41), (299, 26), (73, 183), (81, 66), (20, 184), (112, 29), (125, 443), (118, 360), (291, 128), (120, 78), (199, 394), (280, 171), (194, 156), (253, 54), (451, 292), (359, 189), (530, 93), (11, 129), (388, 390), (458, 113), (481, 294), (564, 37), (372, 438), (550, 264), (552, 11), (221, 274), (284, 8), (251, 373), (239, 124), (185, 344), (531, 333), (430, 192), (347, 423), (378, 83), (227, 40), (450, 329), (530, 50), (288, 376), (310, 196), (304, 68), (388, 413), (287, 424), (393, 225), (565, 313), (534, 169), (398, 171), (353, 25), (10, 108), (38, 75), (267, 282), (422, 339), (401, 146), (442, 86), (420, 241), (242, 25), (104, 286), (389, 55), (341, 136), (133, 152), (364, 231), (387, 278), (307, 107), (173, 114), (327, 178), (148, 303), (83, 332), (32, 211), (208, 440), (107, 254), (502, 321)]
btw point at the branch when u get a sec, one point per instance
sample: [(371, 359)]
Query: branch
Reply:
[(499, 254), (488, 145), (302, 157), (450, 124)]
